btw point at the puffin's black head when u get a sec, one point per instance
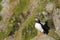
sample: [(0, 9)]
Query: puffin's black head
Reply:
[(37, 20)]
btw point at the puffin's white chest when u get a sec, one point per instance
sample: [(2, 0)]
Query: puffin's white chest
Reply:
[(39, 27)]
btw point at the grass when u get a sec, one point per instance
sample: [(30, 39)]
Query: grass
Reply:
[(21, 6), (28, 25), (5, 34), (26, 29), (2, 35), (25, 24), (51, 0), (0, 7), (9, 28), (12, 1), (0, 17), (0, 0), (18, 9)]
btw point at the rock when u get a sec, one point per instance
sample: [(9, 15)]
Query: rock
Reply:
[(4, 2), (49, 7), (56, 20), (44, 37)]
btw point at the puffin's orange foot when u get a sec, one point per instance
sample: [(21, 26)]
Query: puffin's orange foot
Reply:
[(39, 35)]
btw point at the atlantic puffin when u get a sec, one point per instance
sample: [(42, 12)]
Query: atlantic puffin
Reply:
[(38, 27)]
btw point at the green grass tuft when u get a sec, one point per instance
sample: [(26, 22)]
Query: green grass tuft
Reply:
[(52, 0), (0, 17), (0, 0), (0, 7), (2, 35)]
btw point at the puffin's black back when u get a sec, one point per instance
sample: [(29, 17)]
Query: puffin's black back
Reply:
[(46, 28)]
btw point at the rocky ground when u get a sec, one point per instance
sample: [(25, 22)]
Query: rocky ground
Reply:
[(44, 37)]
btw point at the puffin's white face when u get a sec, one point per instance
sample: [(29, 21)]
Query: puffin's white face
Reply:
[(36, 19)]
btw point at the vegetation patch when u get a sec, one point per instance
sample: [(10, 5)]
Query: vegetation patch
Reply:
[(0, 7), (0, 17), (0, 1), (12, 24), (28, 30), (21, 6), (52, 0), (2, 35)]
